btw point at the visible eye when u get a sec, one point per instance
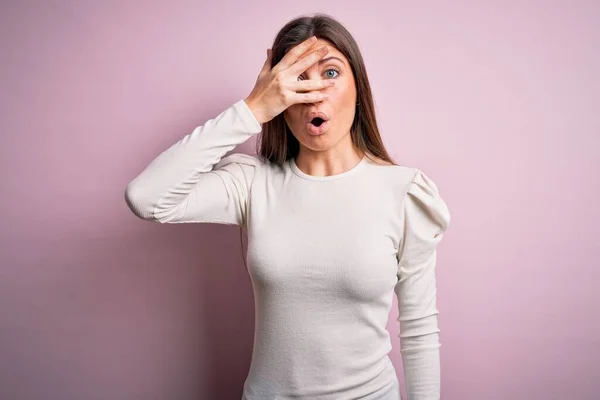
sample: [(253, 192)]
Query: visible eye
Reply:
[(332, 73)]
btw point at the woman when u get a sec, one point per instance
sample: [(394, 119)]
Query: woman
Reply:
[(334, 226)]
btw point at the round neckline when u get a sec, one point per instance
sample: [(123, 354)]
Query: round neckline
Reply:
[(304, 175)]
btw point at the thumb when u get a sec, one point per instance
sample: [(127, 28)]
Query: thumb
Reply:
[(267, 65)]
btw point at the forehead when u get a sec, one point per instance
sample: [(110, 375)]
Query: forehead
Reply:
[(333, 51)]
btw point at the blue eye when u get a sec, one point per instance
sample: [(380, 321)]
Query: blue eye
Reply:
[(331, 70), (330, 73)]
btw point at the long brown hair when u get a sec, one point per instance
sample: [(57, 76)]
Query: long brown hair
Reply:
[(276, 142)]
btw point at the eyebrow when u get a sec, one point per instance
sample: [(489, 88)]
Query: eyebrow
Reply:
[(331, 58)]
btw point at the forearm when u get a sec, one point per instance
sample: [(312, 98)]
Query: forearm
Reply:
[(421, 361), (170, 177)]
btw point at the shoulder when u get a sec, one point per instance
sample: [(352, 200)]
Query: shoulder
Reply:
[(244, 168), (415, 191), (396, 177), (405, 177), (240, 159), (250, 167), (424, 205)]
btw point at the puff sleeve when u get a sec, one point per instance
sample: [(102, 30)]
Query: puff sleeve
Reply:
[(426, 217)]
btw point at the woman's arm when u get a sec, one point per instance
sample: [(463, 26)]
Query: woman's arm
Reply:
[(189, 182), (426, 217), (192, 182)]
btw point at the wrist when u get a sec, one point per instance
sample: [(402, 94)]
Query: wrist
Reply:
[(258, 115)]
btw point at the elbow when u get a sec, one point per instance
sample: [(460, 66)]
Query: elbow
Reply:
[(419, 327), (138, 202)]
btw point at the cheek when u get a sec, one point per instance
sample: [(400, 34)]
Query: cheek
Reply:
[(342, 99), (342, 94)]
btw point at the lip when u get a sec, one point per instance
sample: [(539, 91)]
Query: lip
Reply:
[(316, 114), (316, 130)]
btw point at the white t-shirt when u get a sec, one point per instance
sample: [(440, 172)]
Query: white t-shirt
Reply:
[(325, 256)]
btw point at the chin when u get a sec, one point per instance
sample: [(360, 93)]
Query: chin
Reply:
[(315, 143), (322, 142)]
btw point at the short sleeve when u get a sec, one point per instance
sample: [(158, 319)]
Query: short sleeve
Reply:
[(426, 218)]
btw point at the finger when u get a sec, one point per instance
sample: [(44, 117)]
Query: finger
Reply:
[(312, 97), (302, 65), (294, 53), (310, 84)]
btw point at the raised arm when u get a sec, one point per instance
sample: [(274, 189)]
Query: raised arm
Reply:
[(426, 218), (191, 182)]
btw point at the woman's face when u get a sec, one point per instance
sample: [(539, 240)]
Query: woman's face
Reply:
[(338, 108)]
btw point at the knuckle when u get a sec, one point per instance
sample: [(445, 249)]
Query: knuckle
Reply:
[(302, 64)]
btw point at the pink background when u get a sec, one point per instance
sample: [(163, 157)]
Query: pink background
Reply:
[(497, 101)]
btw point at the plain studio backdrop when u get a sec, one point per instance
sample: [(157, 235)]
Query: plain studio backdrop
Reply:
[(497, 101)]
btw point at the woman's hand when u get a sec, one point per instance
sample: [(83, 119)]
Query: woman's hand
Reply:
[(278, 88)]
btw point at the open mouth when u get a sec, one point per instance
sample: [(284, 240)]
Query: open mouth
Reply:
[(317, 121)]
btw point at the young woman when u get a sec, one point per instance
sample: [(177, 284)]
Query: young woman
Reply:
[(334, 226)]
